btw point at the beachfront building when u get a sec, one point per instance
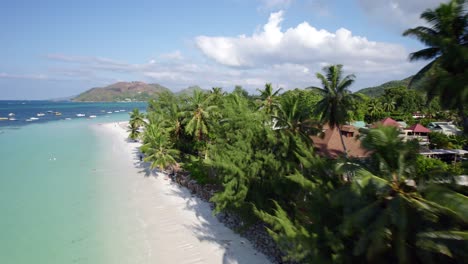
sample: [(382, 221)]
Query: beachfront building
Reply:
[(447, 128), (328, 143)]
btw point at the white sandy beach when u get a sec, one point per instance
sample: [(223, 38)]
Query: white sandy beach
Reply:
[(160, 221)]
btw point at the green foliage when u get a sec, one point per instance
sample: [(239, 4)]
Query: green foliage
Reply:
[(378, 91), (157, 148), (446, 75), (317, 210), (442, 141), (136, 122)]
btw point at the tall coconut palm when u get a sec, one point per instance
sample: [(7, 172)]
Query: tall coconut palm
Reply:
[(337, 98), (393, 157), (158, 148), (198, 116), (215, 95), (404, 223), (388, 106), (137, 119), (268, 99), (447, 41), (294, 117), (374, 109), (134, 131)]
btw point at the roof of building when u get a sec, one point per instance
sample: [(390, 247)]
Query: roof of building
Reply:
[(418, 128), (444, 126), (388, 121), (402, 124), (359, 124), (329, 143)]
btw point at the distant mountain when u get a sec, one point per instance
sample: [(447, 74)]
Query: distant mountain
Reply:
[(189, 91), (379, 90), (121, 91)]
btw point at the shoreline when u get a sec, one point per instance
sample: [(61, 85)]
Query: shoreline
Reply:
[(172, 225)]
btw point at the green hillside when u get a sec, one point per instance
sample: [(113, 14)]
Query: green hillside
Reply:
[(379, 90), (121, 91), (189, 91)]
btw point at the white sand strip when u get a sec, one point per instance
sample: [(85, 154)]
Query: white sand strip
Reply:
[(161, 221)]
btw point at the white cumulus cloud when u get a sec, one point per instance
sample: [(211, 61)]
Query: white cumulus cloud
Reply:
[(303, 44)]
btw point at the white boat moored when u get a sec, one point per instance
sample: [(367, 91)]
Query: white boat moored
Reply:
[(11, 114), (92, 116), (80, 115), (40, 114)]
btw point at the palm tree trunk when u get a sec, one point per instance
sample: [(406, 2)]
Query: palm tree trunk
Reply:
[(343, 143)]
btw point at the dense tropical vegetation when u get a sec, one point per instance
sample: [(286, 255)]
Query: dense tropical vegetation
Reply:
[(446, 38), (393, 207)]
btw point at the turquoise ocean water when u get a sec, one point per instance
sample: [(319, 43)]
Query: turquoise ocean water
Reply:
[(50, 192)]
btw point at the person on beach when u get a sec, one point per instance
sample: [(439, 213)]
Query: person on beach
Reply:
[(141, 157)]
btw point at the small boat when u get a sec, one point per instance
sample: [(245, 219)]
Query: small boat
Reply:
[(67, 118), (122, 110), (80, 115), (28, 120), (109, 112), (3, 118), (116, 111), (11, 114), (50, 111), (40, 114), (12, 119), (58, 113), (34, 118), (92, 116)]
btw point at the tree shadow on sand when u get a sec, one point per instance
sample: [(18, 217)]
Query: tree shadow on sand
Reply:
[(212, 230)]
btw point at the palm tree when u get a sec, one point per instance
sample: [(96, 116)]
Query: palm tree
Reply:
[(388, 106), (134, 131), (294, 117), (337, 99), (393, 157), (198, 116), (215, 95), (404, 223), (158, 148), (374, 109), (447, 41), (268, 99), (137, 119)]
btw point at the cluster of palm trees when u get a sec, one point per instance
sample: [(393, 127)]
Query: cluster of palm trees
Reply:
[(259, 152)]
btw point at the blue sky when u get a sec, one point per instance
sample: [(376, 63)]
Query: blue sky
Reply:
[(53, 49)]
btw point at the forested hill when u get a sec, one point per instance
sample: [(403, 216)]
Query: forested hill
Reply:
[(121, 91), (189, 90), (379, 90)]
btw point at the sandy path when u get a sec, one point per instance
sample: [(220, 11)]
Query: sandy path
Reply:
[(161, 222)]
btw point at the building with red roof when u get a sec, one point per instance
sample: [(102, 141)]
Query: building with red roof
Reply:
[(328, 143), (419, 132), (388, 121)]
